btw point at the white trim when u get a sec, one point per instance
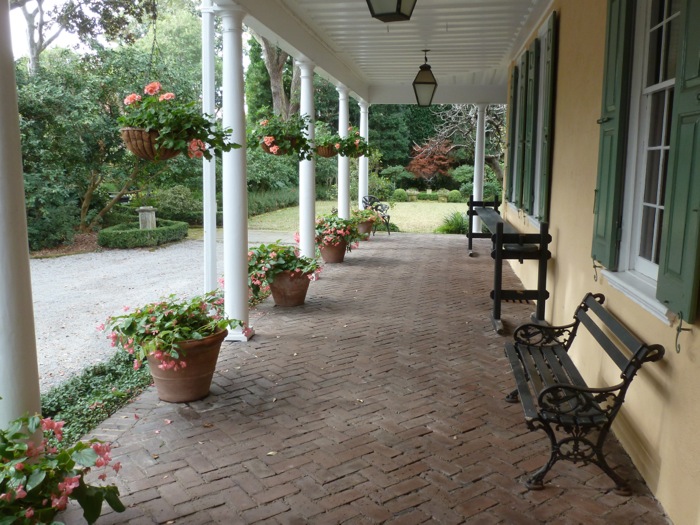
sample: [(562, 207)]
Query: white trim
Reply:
[(639, 290)]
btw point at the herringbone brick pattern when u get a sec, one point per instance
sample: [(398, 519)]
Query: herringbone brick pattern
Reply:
[(378, 401)]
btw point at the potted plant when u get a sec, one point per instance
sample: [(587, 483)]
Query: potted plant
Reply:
[(365, 220), (327, 143), (280, 136), (158, 126), (412, 194), (180, 338), (335, 236), (281, 269), (354, 145), (37, 479)]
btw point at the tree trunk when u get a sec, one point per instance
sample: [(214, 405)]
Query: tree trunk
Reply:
[(37, 27), (275, 62), (494, 161)]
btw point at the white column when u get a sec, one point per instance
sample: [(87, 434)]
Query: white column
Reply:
[(307, 168), (235, 194), (208, 166), (343, 162), (478, 187), (19, 375), (363, 169)]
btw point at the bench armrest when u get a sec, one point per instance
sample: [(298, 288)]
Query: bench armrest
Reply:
[(542, 335), (579, 401)]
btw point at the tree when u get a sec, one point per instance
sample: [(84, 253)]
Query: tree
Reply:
[(431, 160), (285, 95), (388, 131), (114, 19), (457, 125)]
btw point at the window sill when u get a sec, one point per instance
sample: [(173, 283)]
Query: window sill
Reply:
[(640, 291)]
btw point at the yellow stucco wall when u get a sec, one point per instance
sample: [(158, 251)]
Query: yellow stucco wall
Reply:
[(660, 422)]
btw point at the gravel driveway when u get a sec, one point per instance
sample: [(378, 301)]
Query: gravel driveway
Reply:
[(74, 294)]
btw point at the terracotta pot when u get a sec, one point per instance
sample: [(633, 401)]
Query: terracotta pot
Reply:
[(142, 143), (289, 288), (365, 227), (333, 254), (326, 151), (192, 382)]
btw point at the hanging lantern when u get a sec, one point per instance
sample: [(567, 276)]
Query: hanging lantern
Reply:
[(425, 85), (391, 10)]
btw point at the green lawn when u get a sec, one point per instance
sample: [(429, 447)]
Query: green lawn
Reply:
[(414, 217)]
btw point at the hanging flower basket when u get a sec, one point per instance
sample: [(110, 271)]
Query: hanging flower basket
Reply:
[(326, 151), (142, 143)]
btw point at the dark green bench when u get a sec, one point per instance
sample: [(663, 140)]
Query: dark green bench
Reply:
[(509, 243), (556, 399)]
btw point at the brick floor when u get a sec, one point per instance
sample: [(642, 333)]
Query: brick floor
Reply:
[(378, 401)]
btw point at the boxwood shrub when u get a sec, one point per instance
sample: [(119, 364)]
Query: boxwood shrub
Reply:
[(455, 196), (129, 235), (399, 195)]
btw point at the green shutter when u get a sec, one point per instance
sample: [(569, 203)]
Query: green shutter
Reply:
[(679, 265), (613, 133), (550, 76), (520, 146), (512, 131), (533, 79)]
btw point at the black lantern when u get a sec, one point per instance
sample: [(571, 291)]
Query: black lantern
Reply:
[(391, 10), (425, 84)]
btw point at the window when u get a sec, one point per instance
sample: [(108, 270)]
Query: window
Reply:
[(646, 217), (530, 126)]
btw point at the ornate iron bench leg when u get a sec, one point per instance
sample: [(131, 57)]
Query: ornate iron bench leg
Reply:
[(536, 480), (621, 486), (513, 397)]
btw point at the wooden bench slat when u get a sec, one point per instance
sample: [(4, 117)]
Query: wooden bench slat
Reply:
[(621, 332), (526, 395), (604, 341), (549, 362)]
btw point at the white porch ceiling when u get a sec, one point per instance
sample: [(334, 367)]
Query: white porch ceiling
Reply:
[(471, 43)]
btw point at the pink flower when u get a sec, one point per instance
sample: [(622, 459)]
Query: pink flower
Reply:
[(357, 142), (117, 466), (152, 88), (196, 149), (29, 513), (264, 122), (59, 503), (131, 99), (101, 327), (102, 476), (337, 145), (19, 466), (274, 149), (166, 96), (137, 364), (20, 492), (269, 140)]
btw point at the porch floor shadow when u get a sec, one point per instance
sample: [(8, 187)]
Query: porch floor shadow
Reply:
[(381, 400)]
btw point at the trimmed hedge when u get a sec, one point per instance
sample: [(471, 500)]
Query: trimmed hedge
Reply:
[(428, 197), (455, 196), (129, 235)]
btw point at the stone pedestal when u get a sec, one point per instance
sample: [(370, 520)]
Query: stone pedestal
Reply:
[(147, 217)]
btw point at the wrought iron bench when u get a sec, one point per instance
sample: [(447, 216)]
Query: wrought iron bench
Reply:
[(509, 243), (555, 398), (381, 208)]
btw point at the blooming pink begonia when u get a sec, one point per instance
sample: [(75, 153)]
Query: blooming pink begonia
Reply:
[(166, 96), (152, 88), (131, 99)]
